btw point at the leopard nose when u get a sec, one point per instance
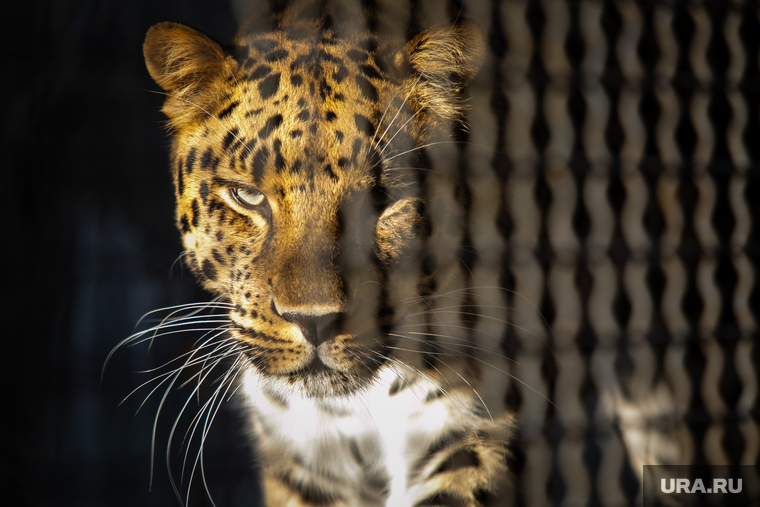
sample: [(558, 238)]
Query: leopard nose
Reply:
[(317, 329)]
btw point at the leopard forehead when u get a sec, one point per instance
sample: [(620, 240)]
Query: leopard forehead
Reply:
[(303, 110), (298, 117)]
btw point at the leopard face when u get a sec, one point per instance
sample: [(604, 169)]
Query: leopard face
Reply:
[(299, 180)]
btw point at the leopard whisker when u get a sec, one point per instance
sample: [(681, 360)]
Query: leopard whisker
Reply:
[(412, 168), (173, 375), (398, 111), (457, 350), (411, 368), (462, 407), (458, 309), (196, 361), (382, 117), (204, 373), (182, 329), (182, 254), (398, 131), (173, 379), (446, 393), (447, 324), (461, 341), (474, 290), (218, 353), (482, 361), (226, 383), (196, 307), (472, 144), (459, 375), (170, 316), (193, 362), (232, 344)]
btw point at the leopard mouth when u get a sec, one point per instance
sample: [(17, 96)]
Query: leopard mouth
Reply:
[(315, 367), (319, 379), (337, 366)]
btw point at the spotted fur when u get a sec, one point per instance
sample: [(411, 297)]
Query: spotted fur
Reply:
[(310, 198)]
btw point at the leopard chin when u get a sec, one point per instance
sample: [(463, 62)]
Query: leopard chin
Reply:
[(318, 380), (325, 371)]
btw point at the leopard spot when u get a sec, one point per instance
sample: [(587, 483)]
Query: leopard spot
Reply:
[(259, 72), (367, 88), (357, 56), (231, 136), (209, 270), (259, 163), (276, 56), (227, 110), (196, 213), (269, 86), (279, 162), (208, 160), (271, 124), (363, 124), (264, 45), (370, 71), (190, 161)]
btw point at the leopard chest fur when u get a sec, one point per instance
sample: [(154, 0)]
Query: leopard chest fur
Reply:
[(383, 446)]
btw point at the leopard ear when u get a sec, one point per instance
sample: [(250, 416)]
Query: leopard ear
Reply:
[(189, 66), (440, 63)]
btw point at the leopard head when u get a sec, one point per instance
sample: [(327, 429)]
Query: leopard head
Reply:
[(300, 175)]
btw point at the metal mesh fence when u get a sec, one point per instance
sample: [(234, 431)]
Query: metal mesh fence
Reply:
[(628, 131)]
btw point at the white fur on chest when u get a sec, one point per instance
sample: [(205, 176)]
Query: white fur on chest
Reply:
[(388, 432)]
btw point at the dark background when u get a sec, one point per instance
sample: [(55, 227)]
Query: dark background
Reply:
[(89, 246)]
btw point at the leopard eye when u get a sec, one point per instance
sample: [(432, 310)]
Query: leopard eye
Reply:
[(247, 197)]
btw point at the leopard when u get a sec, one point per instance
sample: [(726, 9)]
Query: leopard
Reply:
[(378, 195), (310, 200)]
